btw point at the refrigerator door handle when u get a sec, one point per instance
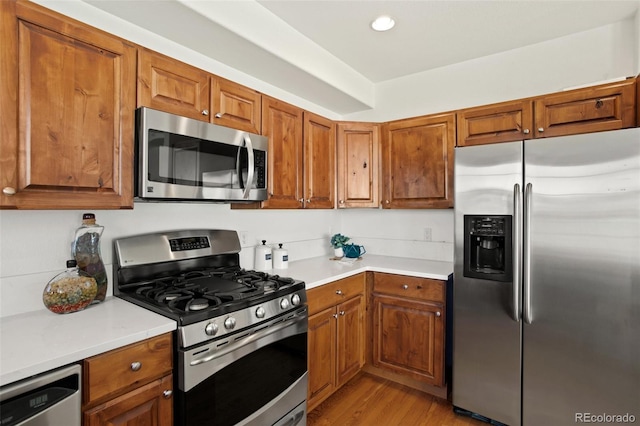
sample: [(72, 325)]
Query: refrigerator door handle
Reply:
[(517, 251), (526, 266)]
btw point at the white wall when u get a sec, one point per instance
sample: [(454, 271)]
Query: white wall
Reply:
[(35, 244)]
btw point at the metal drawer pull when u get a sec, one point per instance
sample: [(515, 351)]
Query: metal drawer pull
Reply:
[(7, 190), (339, 292), (405, 287), (135, 366), (167, 394)]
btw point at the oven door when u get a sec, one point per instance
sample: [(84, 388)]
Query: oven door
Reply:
[(255, 377)]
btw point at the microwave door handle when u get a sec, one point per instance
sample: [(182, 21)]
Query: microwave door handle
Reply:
[(251, 166)]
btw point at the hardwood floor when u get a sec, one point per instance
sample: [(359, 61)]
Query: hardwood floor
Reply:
[(368, 400)]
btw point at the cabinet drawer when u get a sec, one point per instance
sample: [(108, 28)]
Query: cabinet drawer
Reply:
[(504, 122), (122, 369), (331, 294), (411, 287)]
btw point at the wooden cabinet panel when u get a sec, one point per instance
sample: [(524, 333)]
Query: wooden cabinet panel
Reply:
[(172, 86), (350, 339), (504, 122), (282, 124), (119, 370), (151, 404), (236, 106), (592, 109), (319, 162), (410, 287), (322, 356), (417, 161), (408, 338), (67, 112), (358, 167)]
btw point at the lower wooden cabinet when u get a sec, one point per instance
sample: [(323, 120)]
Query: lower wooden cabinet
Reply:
[(408, 327), (336, 336), (132, 385)]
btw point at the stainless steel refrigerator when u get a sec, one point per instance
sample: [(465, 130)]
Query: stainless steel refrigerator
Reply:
[(546, 298)]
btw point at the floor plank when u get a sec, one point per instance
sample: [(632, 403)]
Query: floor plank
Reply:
[(370, 400)]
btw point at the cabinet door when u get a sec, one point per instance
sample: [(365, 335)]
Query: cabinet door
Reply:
[(319, 162), (417, 157), (592, 109), (235, 106), (68, 97), (282, 124), (358, 153), (350, 339), (408, 338), (172, 86), (322, 356), (151, 404), (504, 122)]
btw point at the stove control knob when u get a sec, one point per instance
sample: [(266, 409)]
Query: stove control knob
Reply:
[(284, 303), (230, 323), (295, 300), (211, 329), (260, 312)]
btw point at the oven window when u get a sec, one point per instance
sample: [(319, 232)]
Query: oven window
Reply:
[(246, 385)]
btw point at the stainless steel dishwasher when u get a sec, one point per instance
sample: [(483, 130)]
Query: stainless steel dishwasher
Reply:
[(48, 399)]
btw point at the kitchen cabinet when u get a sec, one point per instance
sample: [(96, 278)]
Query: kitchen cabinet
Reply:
[(503, 122), (408, 326), (591, 109), (66, 111), (417, 162), (130, 385), (301, 159), (358, 152), (172, 86), (336, 340)]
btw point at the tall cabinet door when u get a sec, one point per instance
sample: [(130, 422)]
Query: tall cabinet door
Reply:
[(319, 162), (581, 335), (417, 162), (358, 166), (282, 124), (68, 99)]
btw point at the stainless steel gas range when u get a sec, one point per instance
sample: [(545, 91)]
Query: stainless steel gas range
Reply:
[(241, 339)]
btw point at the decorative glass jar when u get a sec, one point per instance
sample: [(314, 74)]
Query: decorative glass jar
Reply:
[(70, 291)]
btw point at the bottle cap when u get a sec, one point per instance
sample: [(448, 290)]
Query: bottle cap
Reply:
[(89, 218), (71, 263)]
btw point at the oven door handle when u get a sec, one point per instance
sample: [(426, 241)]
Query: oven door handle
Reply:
[(279, 324)]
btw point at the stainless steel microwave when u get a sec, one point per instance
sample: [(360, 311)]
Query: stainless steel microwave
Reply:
[(179, 158)]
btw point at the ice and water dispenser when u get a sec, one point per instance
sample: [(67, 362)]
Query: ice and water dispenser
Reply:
[(487, 247)]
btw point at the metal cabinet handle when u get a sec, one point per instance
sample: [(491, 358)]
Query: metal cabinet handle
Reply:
[(525, 131), (136, 366), (541, 129), (7, 190), (341, 201), (342, 313), (219, 115), (386, 201), (335, 316), (405, 287), (205, 112), (599, 103), (438, 314), (308, 200), (339, 292), (167, 394)]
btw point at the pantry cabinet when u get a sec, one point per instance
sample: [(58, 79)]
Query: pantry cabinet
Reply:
[(358, 152), (66, 111), (336, 340), (408, 327), (172, 86), (417, 162), (130, 385)]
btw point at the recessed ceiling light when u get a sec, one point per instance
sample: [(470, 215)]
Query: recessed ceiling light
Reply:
[(383, 23)]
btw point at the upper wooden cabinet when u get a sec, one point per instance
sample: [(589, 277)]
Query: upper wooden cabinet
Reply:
[(172, 86), (592, 109), (503, 122), (319, 162), (358, 166), (66, 111), (417, 162)]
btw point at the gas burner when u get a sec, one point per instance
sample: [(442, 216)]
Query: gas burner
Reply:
[(197, 305)]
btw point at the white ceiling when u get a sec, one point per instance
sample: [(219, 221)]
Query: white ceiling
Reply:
[(326, 52)]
